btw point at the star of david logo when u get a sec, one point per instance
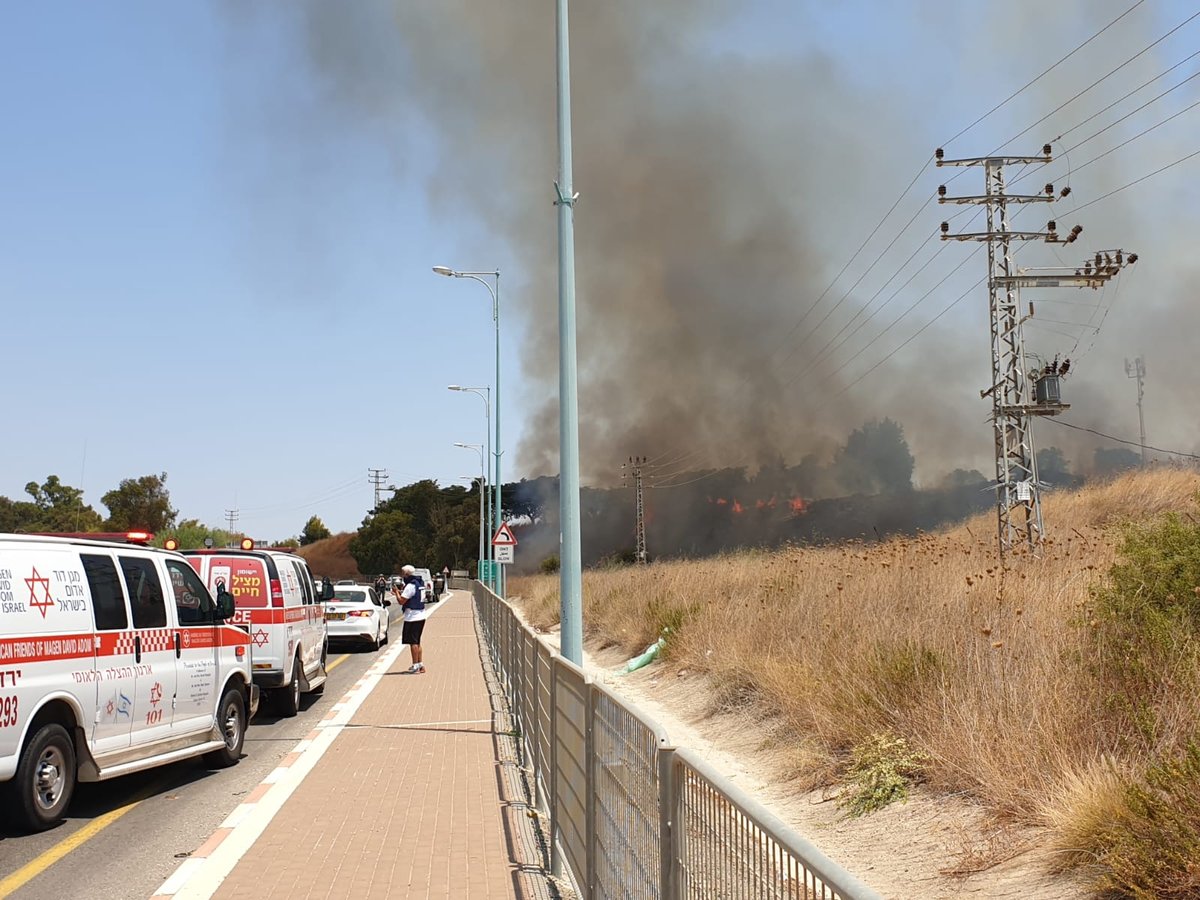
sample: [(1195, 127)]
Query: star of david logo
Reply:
[(261, 637), (45, 603), (155, 694)]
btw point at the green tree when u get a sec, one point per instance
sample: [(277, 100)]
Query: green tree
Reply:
[(876, 459), (314, 530), (190, 533), (423, 525), (55, 507), (141, 503)]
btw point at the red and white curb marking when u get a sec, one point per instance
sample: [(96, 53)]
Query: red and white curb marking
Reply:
[(201, 874)]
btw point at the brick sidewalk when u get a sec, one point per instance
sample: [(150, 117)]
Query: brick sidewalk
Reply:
[(419, 796)]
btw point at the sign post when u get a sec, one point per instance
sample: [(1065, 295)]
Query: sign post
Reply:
[(503, 544)]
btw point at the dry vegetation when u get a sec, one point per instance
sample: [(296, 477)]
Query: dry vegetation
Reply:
[(331, 557), (1051, 689)]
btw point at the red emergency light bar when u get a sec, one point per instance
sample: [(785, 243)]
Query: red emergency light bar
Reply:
[(118, 537)]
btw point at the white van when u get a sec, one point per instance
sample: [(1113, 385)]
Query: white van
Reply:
[(278, 604), (113, 659)]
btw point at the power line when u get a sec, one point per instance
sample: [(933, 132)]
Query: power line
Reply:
[(1124, 441), (1030, 84), (1105, 77), (1132, 183)]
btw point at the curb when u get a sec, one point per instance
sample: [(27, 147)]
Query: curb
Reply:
[(200, 875)]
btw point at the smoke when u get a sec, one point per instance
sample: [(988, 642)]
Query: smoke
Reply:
[(722, 186)]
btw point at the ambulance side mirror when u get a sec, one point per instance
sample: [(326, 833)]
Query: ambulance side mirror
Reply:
[(326, 590), (225, 606)]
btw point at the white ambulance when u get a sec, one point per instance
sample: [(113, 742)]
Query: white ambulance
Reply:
[(113, 659), (278, 603)]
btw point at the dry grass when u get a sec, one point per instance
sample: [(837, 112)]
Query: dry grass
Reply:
[(992, 671), (331, 557)]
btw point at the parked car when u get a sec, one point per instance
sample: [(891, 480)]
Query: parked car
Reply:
[(358, 614)]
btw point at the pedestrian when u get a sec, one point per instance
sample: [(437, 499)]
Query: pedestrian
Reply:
[(381, 585), (415, 614)]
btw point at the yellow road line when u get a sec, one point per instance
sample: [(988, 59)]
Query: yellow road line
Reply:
[(337, 662), (43, 861)]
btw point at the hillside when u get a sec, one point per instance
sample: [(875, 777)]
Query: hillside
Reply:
[(1056, 694), (331, 557)]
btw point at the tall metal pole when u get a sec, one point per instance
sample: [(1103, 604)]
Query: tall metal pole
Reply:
[(485, 394), (478, 448), (570, 564), (1138, 370), (498, 571), (475, 276)]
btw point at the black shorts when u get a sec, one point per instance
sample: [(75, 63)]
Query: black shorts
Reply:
[(412, 632)]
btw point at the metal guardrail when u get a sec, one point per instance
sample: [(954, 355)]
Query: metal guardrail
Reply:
[(632, 816)]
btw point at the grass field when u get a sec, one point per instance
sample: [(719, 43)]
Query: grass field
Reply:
[(1057, 690)]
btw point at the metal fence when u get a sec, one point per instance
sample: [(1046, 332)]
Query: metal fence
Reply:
[(631, 816)]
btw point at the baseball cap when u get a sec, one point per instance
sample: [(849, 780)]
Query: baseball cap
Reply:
[(408, 570)]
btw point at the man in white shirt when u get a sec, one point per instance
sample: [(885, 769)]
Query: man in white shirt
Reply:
[(415, 614)]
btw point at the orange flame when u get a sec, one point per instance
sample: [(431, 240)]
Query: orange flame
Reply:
[(798, 505), (737, 507)]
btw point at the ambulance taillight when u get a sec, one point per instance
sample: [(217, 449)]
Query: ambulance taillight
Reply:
[(276, 592)]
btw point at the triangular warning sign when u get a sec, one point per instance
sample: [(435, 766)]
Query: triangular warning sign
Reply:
[(503, 537)]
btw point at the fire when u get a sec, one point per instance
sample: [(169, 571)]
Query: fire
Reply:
[(798, 505), (738, 508)]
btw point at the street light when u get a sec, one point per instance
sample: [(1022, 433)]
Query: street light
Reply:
[(478, 448), (496, 481), (485, 394)]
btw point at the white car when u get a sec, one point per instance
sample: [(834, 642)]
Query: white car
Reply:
[(357, 613), (427, 580)]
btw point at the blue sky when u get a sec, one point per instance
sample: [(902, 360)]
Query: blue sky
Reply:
[(215, 253)]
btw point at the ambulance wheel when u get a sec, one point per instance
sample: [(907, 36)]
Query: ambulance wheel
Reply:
[(231, 719), (45, 778), (289, 697)]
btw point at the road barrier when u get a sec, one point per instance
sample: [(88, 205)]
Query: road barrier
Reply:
[(632, 816)]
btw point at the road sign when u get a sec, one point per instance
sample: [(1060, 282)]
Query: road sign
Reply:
[(504, 553), (503, 537), (486, 575)]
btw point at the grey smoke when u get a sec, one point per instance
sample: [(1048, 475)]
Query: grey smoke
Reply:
[(721, 191)]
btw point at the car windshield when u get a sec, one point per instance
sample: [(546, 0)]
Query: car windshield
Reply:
[(351, 596)]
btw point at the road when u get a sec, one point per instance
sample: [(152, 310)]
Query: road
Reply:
[(123, 838)]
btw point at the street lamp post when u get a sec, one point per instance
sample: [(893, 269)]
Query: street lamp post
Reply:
[(570, 562), (478, 448), (496, 481), (485, 394)]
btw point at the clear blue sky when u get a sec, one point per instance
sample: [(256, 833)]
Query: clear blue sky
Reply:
[(194, 283)]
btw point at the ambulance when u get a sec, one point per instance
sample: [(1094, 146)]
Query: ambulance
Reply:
[(278, 604), (114, 658)]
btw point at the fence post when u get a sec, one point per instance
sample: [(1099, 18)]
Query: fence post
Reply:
[(669, 826), (556, 863), (589, 756)]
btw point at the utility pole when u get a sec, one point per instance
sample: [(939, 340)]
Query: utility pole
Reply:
[(1019, 508), (635, 466), (1138, 370), (377, 477), (231, 517)]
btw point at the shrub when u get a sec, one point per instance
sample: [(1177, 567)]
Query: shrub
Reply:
[(550, 565), (881, 769), (1151, 849)]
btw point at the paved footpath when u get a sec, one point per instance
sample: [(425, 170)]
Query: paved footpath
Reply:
[(408, 788)]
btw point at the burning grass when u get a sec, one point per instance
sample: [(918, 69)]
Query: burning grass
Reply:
[(1054, 693)]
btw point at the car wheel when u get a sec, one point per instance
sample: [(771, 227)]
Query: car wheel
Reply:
[(289, 697), (231, 719), (45, 778)]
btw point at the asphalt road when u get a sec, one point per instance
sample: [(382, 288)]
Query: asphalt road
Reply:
[(123, 838)]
